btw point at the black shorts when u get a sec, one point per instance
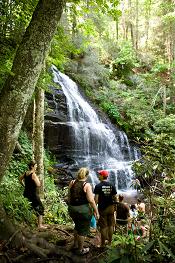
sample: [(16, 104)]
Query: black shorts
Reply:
[(36, 204)]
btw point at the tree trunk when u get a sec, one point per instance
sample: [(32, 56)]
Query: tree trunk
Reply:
[(38, 135), (147, 20), (137, 25), (19, 87), (164, 100), (74, 20), (117, 29), (123, 20), (130, 22)]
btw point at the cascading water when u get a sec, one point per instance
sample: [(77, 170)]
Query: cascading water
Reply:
[(94, 144)]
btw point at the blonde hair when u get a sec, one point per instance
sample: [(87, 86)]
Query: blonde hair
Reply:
[(82, 173)]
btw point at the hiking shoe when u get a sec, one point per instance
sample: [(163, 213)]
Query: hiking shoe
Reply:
[(84, 251)]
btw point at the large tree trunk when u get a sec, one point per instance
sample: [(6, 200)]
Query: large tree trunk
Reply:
[(27, 65)]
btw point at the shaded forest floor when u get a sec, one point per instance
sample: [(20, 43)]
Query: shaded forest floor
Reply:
[(50, 245)]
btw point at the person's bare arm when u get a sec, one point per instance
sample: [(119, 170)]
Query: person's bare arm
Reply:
[(96, 199), (115, 198), (36, 179), (90, 198), (142, 207), (21, 179), (67, 200)]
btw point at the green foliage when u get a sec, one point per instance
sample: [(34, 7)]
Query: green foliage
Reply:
[(157, 158), (62, 48), (165, 125), (111, 110), (91, 75), (160, 67), (126, 60), (6, 58), (88, 28), (56, 208), (128, 108), (16, 206), (26, 145), (125, 249), (44, 80), (110, 8), (15, 17), (126, 55), (161, 204)]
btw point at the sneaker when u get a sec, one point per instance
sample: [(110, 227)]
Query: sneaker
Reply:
[(84, 251), (92, 230)]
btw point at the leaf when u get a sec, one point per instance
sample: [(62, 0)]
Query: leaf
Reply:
[(166, 249), (125, 259), (148, 246)]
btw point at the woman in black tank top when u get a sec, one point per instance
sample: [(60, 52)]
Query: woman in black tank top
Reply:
[(31, 182), (81, 202)]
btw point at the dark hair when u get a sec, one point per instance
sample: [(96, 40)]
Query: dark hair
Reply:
[(31, 164), (139, 200), (121, 197), (133, 207)]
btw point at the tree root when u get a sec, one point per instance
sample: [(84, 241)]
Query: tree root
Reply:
[(11, 238), (64, 231)]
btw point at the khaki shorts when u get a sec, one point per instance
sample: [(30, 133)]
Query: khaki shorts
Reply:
[(107, 217)]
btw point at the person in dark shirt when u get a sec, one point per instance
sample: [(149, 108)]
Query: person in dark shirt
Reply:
[(31, 182), (105, 195), (81, 202), (122, 213)]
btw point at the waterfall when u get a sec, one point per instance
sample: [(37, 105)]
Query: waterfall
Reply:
[(93, 141)]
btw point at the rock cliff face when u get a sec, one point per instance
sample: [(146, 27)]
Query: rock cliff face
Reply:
[(57, 107), (57, 129)]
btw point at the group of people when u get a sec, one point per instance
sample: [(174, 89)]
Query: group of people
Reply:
[(84, 204), (137, 220), (132, 217), (108, 208)]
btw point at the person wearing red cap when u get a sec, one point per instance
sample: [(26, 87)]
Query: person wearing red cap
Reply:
[(105, 196)]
